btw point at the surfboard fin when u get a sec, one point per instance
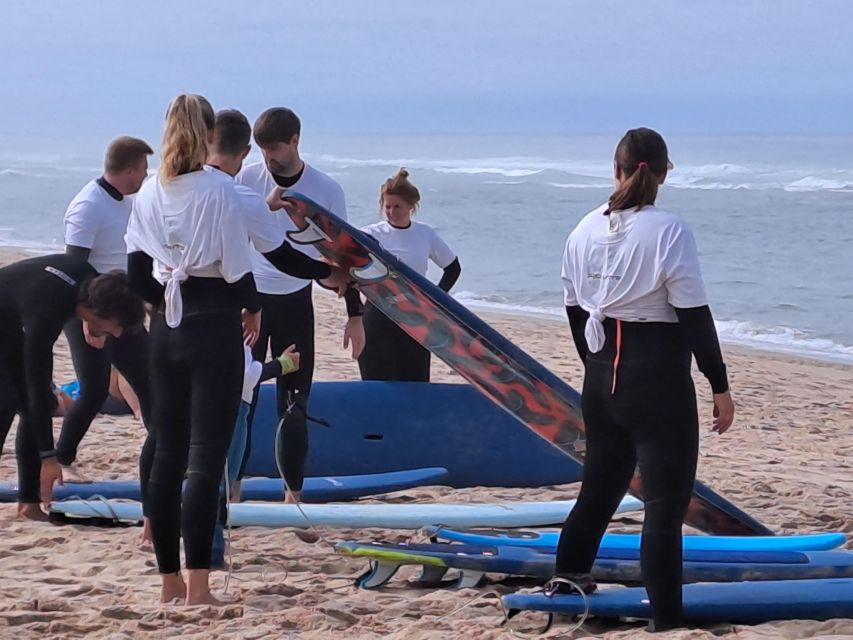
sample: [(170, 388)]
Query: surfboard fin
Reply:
[(432, 576), (379, 573), (311, 234), (373, 271)]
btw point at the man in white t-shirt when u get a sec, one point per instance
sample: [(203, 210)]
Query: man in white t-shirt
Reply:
[(95, 224), (288, 310)]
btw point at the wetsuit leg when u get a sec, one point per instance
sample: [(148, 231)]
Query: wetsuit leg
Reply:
[(93, 371)]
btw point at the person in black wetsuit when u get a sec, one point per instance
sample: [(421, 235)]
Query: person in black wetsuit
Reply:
[(188, 255), (37, 298), (95, 224), (287, 301), (638, 312)]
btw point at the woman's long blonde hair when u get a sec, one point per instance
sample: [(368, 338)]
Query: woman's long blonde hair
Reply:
[(189, 121)]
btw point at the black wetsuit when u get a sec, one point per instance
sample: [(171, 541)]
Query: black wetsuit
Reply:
[(197, 378), (37, 297), (128, 353), (288, 319), (640, 409), (389, 352)]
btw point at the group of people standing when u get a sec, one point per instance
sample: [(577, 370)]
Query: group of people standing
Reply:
[(203, 244)]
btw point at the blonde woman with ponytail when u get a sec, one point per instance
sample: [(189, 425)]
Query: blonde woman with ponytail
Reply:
[(187, 230), (638, 314), (389, 352)]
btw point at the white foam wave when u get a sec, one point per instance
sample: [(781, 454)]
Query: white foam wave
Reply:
[(813, 183), (598, 175), (777, 339), (581, 185)]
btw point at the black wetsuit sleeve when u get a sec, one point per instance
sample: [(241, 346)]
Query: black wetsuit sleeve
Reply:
[(450, 276), (246, 293), (139, 274), (272, 369), (295, 263), (81, 253), (577, 323), (697, 326), (355, 307), (40, 334)]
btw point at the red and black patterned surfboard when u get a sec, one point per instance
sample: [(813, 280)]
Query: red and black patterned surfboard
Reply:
[(499, 369)]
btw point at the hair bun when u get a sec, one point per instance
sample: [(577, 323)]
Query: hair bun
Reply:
[(402, 173)]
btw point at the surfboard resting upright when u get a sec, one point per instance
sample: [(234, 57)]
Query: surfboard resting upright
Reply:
[(498, 368)]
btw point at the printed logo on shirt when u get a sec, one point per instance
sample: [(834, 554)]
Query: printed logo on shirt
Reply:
[(601, 276), (61, 275)]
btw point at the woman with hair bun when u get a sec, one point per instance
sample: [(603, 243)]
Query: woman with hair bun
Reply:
[(389, 352), (638, 313)]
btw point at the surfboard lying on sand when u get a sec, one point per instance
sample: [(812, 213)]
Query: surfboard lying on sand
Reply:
[(737, 602), (611, 565), (317, 489), (387, 516), (549, 539)]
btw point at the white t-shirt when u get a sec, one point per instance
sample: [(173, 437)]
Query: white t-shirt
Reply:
[(96, 221), (631, 265), (261, 224), (313, 184), (190, 226), (415, 245)]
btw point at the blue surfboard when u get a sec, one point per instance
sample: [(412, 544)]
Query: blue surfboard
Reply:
[(322, 489), (736, 602), (611, 565), (548, 540)]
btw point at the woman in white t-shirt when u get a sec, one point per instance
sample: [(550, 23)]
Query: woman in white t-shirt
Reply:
[(389, 352), (188, 255), (638, 314)]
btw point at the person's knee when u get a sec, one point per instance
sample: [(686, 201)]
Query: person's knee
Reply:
[(665, 514)]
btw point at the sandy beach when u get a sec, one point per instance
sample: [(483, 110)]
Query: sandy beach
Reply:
[(787, 461)]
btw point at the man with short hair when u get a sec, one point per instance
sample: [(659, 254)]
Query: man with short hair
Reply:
[(95, 224), (288, 316), (37, 298)]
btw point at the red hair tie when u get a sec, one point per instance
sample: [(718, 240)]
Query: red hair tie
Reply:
[(641, 165)]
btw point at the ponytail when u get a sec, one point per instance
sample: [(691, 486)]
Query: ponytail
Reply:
[(643, 159), (189, 120)]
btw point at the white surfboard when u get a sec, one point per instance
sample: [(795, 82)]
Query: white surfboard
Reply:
[(345, 516)]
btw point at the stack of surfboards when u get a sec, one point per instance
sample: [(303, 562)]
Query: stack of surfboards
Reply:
[(730, 578)]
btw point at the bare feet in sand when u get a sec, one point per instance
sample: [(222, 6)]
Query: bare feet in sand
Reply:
[(32, 511), (173, 588), (70, 473), (198, 591), (206, 599)]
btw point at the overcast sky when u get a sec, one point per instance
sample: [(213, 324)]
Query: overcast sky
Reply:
[(491, 66)]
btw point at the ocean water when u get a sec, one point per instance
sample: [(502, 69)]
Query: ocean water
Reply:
[(772, 214)]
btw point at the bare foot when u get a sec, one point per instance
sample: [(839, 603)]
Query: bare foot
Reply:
[(206, 599), (199, 589), (173, 588), (70, 473), (292, 497), (32, 511)]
